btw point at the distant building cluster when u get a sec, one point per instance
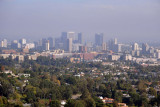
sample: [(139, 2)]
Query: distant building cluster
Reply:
[(70, 44)]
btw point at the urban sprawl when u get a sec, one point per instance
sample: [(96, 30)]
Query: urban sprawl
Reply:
[(66, 72)]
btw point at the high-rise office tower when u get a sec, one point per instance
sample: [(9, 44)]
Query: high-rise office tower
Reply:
[(114, 46), (40, 43), (71, 35), (117, 48), (158, 54), (98, 39), (15, 44), (104, 46), (69, 44), (80, 38), (57, 43), (63, 37), (47, 45), (22, 41), (145, 48), (135, 47), (110, 45), (64, 40), (3, 43), (44, 40), (115, 41), (50, 39)]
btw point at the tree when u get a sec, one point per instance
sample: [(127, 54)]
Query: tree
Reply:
[(71, 80), (152, 91), (107, 93), (98, 101), (85, 94), (144, 100), (30, 97), (70, 103), (54, 103), (142, 87), (115, 104), (118, 96), (68, 93), (90, 84), (158, 100), (79, 103), (3, 101), (102, 88), (90, 102), (5, 88)]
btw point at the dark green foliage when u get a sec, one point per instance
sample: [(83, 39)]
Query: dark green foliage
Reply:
[(98, 101), (70, 103), (54, 103), (5, 88), (71, 80), (54, 80), (90, 102), (30, 97), (85, 94)]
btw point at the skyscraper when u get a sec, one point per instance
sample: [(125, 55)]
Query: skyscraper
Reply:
[(22, 41), (114, 46), (64, 40), (3, 43), (69, 44), (63, 37), (47, 45), (117, 48), (15, 44), (80, 38), (71, 35), (50, 39), (145, 48), (104, 46), (115, 41), (98, 39), (135, 47)]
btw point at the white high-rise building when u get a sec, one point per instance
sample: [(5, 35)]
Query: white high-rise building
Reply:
[(135, 47), (115, 41), (47, 45), (158, 54), (22, 41), (3, 43), (71, 35), (69, 45)]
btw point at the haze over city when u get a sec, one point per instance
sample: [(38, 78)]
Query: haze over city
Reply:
[(127, 20), (79, 53)]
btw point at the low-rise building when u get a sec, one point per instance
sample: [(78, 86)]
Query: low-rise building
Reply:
[(122, 105), (25, 75), (108, 100)]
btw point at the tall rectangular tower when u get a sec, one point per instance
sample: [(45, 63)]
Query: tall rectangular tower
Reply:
[(69, 44), (98, 39), (80, 38)]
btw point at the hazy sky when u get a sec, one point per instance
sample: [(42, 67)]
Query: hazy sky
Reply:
[(128, 20)]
